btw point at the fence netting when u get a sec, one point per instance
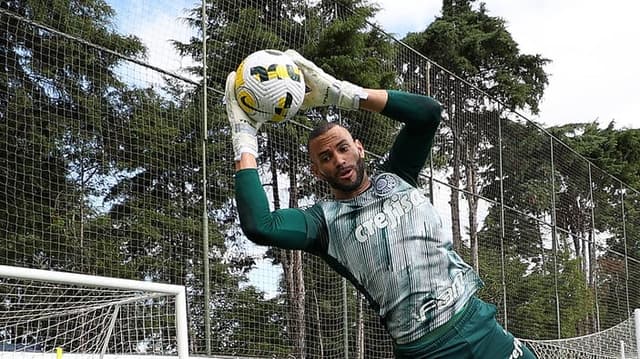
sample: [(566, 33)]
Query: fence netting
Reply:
[(116, 160)]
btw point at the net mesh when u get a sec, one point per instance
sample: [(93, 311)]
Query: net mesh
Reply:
[(618, 341), (116, 161), (41, 317)]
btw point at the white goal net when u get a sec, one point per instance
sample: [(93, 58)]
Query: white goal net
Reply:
[(68, 315), (620, 341)]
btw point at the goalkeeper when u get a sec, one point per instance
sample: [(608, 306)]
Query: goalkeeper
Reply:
[(380, 232)]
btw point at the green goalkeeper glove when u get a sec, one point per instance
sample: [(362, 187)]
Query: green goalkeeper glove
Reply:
[(243, 129), (325, 89)]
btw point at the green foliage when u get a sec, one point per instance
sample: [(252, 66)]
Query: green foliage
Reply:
[(56, 95), (531, 292), (616, 151), (614, 172), (237, 28), (480, 49), (350, 50), (105, 177)]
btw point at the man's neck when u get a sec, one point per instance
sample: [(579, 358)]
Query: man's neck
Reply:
[(341, 195)]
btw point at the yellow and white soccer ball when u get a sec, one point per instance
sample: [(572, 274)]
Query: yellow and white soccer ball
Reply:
[(269, 86)]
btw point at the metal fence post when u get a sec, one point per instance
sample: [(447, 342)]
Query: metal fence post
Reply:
[(554, 238)]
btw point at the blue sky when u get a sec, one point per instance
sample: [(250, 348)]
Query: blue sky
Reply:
[(156, 23), (593, 46)]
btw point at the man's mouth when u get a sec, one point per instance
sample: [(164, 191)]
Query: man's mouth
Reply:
[(345, 174)]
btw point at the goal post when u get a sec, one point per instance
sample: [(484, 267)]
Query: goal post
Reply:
[(636, 316), (45, 311)]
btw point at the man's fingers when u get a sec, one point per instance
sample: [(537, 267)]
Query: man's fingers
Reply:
[(229, 91), (302, 62)]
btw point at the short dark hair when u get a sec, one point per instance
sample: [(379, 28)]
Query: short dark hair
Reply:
[(321, 130)]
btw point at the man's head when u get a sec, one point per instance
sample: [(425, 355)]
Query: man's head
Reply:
[(338, 159)]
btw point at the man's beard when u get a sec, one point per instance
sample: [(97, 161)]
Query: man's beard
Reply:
[(336, 184)]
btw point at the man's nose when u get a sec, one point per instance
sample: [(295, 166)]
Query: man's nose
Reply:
[(340, 160)]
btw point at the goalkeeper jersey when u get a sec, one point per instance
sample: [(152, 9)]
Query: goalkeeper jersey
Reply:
[(387, 241)]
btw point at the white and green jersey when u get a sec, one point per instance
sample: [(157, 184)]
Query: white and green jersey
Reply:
[(388, 241)]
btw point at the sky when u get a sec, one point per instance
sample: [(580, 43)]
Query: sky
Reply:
[(593, 46)]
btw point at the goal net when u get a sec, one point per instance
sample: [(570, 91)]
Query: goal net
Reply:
[(71, 316), (620, 341)]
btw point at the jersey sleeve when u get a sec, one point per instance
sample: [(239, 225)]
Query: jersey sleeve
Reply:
[(290, 228), (421, 116)]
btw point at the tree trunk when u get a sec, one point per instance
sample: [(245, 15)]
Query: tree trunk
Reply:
[(585, 257), (297, 301), (291, 265), (472, 200), (360, 330), (594, 263), (297, 288), (454, 181), (318, 326), (538, 233)]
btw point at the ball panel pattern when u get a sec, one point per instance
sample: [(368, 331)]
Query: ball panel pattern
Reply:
[(269, 86)]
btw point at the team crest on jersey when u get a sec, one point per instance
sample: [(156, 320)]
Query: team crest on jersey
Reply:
[(384, 184)]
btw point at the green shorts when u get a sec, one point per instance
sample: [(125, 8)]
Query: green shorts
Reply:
[(475, 335)]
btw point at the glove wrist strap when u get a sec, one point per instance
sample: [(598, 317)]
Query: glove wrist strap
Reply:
[(350, 95)]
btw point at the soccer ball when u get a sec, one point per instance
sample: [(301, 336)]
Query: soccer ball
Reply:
[(269, 86)]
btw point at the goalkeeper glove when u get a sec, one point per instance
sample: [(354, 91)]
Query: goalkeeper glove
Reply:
[(243, 129), (325, 89)]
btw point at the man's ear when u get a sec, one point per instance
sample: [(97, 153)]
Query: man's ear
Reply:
[(316, 172)]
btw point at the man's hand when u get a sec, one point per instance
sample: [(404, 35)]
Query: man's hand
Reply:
[(243, 128), (325, 89)]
